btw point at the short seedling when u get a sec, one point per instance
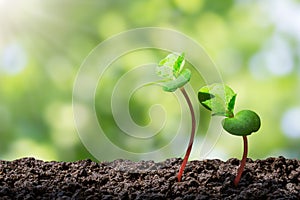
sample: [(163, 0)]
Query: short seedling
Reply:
[(174, 77), (220, 99)]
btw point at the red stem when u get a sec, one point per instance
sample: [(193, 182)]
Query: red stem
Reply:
[(188, 151), (243, 162)]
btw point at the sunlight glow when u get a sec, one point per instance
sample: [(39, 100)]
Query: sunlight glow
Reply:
[(286, 15), (14, 17)]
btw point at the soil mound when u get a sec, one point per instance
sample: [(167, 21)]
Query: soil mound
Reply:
[(28, 178)]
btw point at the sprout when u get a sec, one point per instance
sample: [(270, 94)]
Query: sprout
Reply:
[(220, 99), (174, 77)]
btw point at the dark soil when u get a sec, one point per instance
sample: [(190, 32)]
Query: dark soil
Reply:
[(27, 178)]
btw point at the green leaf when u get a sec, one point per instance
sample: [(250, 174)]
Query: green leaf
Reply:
[(178, 65), (183, 78), (218, 98), (171, 66), (165, 72), (243, 123), (171, 69)]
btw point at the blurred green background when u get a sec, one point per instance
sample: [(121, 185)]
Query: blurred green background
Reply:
[(254, 44)]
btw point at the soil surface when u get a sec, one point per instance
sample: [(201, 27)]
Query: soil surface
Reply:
[(28, 178)]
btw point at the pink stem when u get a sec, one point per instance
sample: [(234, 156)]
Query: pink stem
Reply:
[(243, 162), (188, 151)]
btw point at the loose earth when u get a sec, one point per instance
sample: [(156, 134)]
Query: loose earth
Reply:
[(28, 178)]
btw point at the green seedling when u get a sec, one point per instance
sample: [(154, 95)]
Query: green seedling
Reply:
[(220, 99), (175, 76)]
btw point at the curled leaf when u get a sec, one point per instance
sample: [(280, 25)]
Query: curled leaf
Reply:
[(172, 72), (218, 98), (170, 66)]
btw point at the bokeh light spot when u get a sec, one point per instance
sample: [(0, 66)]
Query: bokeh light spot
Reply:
[(275, 59), (286, 15), (290, 123), (13, 59)]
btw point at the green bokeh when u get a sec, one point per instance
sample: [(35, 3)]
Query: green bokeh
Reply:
[(43, 43)]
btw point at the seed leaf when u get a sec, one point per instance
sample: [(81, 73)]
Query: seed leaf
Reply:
[(243, 123), (183, 78)]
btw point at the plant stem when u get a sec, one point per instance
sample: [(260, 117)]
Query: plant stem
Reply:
[(243, 162), (188, 151)]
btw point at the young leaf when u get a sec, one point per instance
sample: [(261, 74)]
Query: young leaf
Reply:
[(165, 72), (170, 66), (171, 69), (218, 98)]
